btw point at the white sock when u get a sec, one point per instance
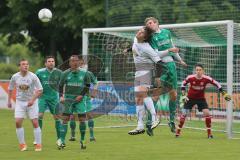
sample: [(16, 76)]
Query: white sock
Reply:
[(20, 135), (140, 110), (150, 106), (37, 135)]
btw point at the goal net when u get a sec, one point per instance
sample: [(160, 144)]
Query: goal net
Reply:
[(213, 44)]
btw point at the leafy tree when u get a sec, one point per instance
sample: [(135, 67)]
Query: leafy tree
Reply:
[(62, 35), (10, 54), (128, 13)]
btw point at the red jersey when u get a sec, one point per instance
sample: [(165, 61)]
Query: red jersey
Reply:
[(198, 85)]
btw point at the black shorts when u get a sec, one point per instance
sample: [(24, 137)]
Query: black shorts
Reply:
[(201, 104)]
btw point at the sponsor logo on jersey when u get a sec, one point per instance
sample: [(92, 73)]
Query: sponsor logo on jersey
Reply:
[(198, 87), (23, 87), (164, 42), (74, 84), (49, 82)]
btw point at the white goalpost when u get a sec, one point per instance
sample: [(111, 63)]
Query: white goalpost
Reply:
[(215, 44)]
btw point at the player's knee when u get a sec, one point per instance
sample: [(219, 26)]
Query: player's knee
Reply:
[(18, 125), (40, 115), (71, 117), (89, 115), (65, 119), (183, 115), (56, 117), (173, 96), (206, 112), (82, 117), (35, 123), (139, 101)]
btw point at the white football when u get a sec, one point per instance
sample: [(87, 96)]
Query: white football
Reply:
[(45, 15)]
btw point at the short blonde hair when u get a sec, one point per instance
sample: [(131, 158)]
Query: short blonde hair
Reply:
[(151, 18)]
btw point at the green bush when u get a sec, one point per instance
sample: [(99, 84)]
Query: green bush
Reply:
[(7, 70)]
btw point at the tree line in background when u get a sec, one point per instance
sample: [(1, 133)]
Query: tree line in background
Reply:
[(125, 12), (63, 35), (10, 54)]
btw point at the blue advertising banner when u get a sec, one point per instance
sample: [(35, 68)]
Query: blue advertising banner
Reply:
[(115, 98)]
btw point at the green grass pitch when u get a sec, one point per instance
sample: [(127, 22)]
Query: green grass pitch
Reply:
[(116, 144)]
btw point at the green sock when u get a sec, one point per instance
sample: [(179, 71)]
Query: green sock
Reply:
[(82, 128), (149, 120), (58, 126), (90, 126), (172, 110), (40, 122), (63, 132), (73, 127)]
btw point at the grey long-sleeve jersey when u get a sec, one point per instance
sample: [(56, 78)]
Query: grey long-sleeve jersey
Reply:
[(164, 55), (144, 56)]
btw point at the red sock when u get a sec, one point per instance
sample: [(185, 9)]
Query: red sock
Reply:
[(181, 123), (208, 125)]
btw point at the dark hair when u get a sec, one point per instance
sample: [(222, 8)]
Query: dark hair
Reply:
[(74, 56), (199, 65), (148, 33), (21, 61), (46, 58)]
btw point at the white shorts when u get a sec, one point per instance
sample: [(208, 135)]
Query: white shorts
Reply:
[(22, 110), (143, 78)]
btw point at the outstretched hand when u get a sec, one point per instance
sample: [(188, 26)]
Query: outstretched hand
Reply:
[(174, 49), (183, 63), (226, 96)]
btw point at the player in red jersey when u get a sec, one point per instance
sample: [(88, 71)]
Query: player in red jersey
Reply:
[(195, 96)]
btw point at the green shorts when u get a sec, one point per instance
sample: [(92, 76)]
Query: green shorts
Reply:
[(169, 75), (88, 104), (163, 103), (72, 107), (51, 104)]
